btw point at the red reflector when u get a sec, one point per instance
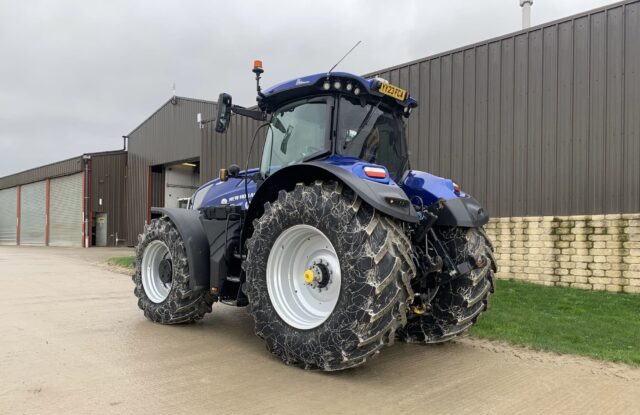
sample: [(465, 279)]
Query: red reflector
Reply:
[(376, 172)]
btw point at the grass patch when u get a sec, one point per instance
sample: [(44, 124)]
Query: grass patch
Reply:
[(122, 261), (598, 324)]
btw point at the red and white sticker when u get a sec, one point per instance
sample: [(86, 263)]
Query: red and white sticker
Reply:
[(375, 172)]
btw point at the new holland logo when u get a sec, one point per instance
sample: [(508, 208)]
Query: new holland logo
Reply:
[(301, 82), (236, 198)]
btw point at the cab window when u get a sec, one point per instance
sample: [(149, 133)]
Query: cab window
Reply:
[(298, 130)]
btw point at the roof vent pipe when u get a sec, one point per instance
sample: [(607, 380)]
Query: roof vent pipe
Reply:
[(526, 13), (174, 98)]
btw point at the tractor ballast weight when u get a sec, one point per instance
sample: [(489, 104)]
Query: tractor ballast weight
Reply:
[(335, 243)]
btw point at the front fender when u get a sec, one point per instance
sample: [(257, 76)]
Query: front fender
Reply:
[(195, 242)]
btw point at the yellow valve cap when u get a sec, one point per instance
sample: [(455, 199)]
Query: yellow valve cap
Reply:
[(308, 276)]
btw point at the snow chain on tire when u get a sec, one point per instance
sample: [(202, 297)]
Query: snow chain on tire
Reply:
[(376, 272), (182, 305), (458, 304)]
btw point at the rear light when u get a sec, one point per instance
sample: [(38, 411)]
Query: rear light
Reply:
[(375, 172)]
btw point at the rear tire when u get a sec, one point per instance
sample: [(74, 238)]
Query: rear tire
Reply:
[(374, 284), (458, 304), (169, 302)]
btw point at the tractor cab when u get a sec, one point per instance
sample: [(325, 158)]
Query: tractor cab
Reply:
[(339, 116)]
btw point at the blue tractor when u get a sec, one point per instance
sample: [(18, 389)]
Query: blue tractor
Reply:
[(334, 243)]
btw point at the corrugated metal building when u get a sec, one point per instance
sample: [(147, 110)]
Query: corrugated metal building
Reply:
[(74, 202), (539, 122), (164, 159)]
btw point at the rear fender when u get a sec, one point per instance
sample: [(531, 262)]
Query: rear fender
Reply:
[(377, 195), (195, 241)]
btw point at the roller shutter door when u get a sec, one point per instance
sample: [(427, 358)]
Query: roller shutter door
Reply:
[(65, 211), (32, 214), (8, 210)]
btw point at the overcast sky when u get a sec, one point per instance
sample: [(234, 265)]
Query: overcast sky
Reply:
[(77, 75)]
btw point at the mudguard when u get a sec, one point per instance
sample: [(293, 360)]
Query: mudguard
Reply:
[(465, 212), (387, 198), (195, 241)]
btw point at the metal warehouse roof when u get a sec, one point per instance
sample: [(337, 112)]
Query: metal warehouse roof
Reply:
[(56, 169), (169, 101)]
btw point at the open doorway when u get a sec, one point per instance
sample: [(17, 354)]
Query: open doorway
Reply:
[(181, 181)]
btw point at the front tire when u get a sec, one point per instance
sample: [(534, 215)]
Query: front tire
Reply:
[(162, 277), (331, 232), (458, 304)]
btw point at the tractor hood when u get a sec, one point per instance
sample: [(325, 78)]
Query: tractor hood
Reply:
[(459, 209), (231, 191), (425, 188)]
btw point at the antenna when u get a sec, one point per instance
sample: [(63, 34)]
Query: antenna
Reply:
[(345, 55)]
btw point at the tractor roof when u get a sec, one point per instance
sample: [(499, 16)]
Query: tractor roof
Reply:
[(323, 83)]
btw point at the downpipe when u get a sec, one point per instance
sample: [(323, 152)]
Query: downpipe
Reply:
[(87, 192)]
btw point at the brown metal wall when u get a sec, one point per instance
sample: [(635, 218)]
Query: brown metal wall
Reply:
[(232, 147), (169, 135), (543, 122), (61, 168), (109, 183)]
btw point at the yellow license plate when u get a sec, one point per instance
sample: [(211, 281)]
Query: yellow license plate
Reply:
[(393, 91)]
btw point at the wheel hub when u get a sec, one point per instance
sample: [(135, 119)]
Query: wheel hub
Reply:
[(318, 275), (165, 270)]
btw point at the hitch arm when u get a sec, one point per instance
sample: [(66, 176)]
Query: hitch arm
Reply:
[(454, 270)]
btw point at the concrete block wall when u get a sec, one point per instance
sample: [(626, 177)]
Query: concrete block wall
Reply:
[(593, 252)]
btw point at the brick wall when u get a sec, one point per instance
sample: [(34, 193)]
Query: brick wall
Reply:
[(598, 252)]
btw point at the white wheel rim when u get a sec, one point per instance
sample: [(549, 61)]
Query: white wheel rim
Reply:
[(298, 249), (156, 290)]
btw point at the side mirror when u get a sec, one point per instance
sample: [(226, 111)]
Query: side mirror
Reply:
[(224, 113)]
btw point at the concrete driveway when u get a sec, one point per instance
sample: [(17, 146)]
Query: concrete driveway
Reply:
[(72, 340)]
